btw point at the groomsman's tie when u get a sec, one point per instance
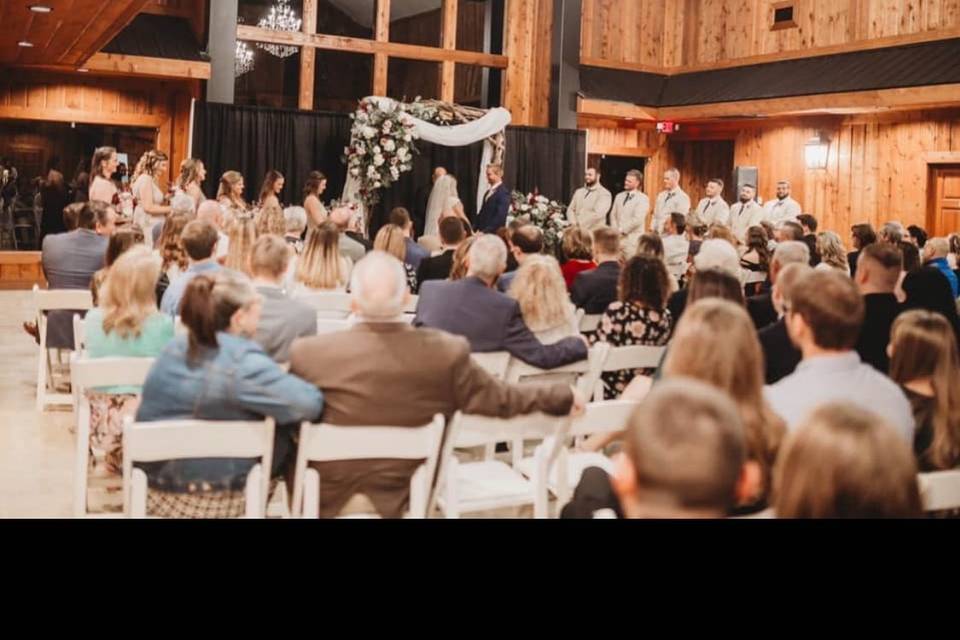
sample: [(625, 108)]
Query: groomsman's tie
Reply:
[(629, 196)]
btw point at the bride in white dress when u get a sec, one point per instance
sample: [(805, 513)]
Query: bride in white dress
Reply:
[(443, 198)]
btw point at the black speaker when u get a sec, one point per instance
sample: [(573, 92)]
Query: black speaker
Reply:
[(742, 176)]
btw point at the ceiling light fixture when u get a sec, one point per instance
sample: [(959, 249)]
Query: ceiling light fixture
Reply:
[(280, 18), (40, 8), (24, 44), (83, 70)]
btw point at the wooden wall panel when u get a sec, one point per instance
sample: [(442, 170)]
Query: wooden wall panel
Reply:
[(527, 44), (624, 30), (702, 160)]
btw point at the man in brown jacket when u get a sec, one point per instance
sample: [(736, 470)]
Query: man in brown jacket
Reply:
[(384, 372)]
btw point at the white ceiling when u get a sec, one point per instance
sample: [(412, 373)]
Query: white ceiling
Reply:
[(361, 11)]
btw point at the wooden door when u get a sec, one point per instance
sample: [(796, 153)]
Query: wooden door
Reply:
[(944, 217)]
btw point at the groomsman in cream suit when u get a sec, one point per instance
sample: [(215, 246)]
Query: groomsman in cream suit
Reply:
[(590, 204), (629, 215), (671, 200), (713, 209), (783, 207), (746, 213)]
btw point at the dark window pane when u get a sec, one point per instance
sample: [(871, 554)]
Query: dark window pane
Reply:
[(352, 18), (341, 79), (274, 80), (480, 25), (409, 79), (416, 22), (477, 86)]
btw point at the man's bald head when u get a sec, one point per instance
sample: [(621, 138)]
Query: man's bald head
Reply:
[(378, 286), (341, 217), (210, 211)]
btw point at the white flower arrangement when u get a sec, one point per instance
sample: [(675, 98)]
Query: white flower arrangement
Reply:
[(549, 215)]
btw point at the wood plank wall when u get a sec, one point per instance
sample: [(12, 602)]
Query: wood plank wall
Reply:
[(527, 43), (678, 33)]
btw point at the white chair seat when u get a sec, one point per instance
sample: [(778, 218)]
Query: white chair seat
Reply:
[(577, 463), (490, 484)]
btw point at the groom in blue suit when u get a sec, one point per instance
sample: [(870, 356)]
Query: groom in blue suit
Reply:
[(496, 202)]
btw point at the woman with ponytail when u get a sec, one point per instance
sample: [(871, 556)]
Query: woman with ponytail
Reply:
[(217, 372)]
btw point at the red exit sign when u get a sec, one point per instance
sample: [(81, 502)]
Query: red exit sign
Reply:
[(668, 127)]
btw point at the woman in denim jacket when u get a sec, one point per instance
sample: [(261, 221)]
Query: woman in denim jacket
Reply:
[(218, 373)]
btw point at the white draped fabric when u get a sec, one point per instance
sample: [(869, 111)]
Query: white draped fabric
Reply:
[(461, 135)]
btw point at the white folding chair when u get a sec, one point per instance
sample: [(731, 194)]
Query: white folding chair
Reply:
[(631, 357), (92, 373), (185, 439), (467, 487), (940, 490), (332, 325), (495, 363), (599, 417), (327, 443), (590, 322), (332, 304), (54, 300), (411, 305), (79, 335)]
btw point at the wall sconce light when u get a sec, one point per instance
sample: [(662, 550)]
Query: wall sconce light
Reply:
[(816, 151)]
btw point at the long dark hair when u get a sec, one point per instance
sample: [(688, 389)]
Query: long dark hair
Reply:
[(314, 180), (268, 184), (644, 280), (99, 155)]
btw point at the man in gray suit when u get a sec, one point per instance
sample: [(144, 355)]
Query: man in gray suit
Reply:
[(490, 320), (282, 320), (70, 260)]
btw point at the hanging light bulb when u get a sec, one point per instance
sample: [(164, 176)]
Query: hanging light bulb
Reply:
[(281, 18), (243, 59)]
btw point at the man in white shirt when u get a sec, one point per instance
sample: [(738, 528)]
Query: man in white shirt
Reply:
[(713, 209), (671, 200), (746, 213), (590, 203), (783, 207), (823, 320), (676, 246), (630, 209)]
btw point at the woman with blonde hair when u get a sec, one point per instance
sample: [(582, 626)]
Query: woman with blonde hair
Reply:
[(242, 234), (192, 175), (461, 264), (270, 189), (321, 267), (577, 247), (150, 209), (392, 240), (312, 190), (716, 342), (845, 462), (126, 324), (832, 253), (230, 193), (924, 362), (270, 220), (102, 166), (544, 302)]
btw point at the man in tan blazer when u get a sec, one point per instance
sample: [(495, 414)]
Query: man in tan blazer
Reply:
[(384, 372), (590, 203), (672, 199), (629, 215)]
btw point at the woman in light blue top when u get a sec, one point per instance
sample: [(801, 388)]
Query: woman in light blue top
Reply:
[(127, 324)]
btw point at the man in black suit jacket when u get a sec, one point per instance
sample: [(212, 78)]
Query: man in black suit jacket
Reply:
[(809, 225), (780, 356), (760, 307), (496, 202), (438, 267), (594, 290), (490, 320), (878, 270)]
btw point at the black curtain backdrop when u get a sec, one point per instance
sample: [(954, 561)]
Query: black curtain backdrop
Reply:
[(252, 140)]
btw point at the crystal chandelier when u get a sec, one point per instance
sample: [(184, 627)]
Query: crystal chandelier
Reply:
[(243, 59), (280, 18)]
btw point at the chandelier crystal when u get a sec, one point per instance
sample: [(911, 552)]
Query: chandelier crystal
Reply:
[(243, 59), (280, 18)]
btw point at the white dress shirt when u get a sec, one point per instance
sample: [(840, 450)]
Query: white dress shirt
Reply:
[(777, 211), (743, 216)]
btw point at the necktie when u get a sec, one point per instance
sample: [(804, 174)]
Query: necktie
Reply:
[(487, 195), (709, 204), (669, 195), (629, 196)]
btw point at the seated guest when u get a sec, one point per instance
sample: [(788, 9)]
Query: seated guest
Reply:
[(640, 316), (434, 243), (891, 233), (322, 267), (760, 307), (169, 248), (927, 288), (714, 254), (831, 252), (715, 283), (696, 230), (722, 232), (415, 254), (546, 308), (525, 242), (790, 230), (120, 242), (953, 258), (935, 255), (184, 206), (910, 263), (295, 223), (242, 233), (212, 213), (461, 259), (845, 461), (925, 363), (282, 319), (809, 225), (504, 234), (716, 343), (877, 273), (917, 236), (217, 372), (438, 267), (69, 261), (685, 456), (861, 236), (577, 247), (780, 356), (594, 291), (270, 219), (126, 324), (199, 240), (366, 378), (391, 239), (349, 239), (755, 262), (824, 320), (488, 319), (676, 247)]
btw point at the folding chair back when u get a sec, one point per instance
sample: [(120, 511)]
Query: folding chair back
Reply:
[(940, 490), (54, 300)]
